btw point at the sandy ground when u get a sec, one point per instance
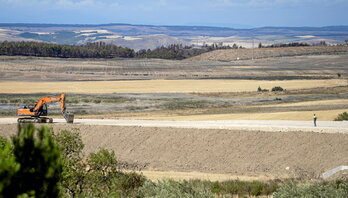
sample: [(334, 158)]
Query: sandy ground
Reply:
[(162, 86), (216, 150)]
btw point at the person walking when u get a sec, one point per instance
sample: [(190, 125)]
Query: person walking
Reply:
[(315, 120)]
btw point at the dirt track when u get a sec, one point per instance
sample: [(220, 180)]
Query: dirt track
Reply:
[(238, 152)]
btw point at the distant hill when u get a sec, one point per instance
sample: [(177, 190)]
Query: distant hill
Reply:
[(247, 54), (150, 36)]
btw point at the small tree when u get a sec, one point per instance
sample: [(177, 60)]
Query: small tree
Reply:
[(74, 170), (8, 165), (259, 89), (260, 45), (278, 88), (39, 162), (342, 116)]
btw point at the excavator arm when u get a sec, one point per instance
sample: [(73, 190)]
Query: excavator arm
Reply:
[(45, 100)]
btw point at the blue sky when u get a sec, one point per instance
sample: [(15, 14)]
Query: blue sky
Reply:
[(228, 13)]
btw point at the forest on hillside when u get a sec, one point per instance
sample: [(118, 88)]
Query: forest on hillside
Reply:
[(103, 50)]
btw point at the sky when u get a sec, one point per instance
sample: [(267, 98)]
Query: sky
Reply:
[(223, 13)]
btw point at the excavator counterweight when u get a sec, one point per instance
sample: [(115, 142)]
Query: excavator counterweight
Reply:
[(37, 112)]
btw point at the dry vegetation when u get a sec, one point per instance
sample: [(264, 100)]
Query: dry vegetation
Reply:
[(179, 90), (245, 54), (286, 68), (161, 86)]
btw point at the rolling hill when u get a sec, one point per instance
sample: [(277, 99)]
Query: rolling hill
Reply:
[(149, 36)]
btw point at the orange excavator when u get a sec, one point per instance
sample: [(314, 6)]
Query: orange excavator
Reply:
[(37, 112)]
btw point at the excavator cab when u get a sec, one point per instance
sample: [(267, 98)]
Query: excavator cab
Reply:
[(43, 110)]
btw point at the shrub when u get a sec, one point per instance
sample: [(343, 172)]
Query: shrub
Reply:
[(179, 104), (33, 167), (3, 101), (8, 165), (342, 116), (3, 142), (71, 143), (332, 189), (130, 182), (172, 189), (255, 188), (278, 88), (259, 89), (97, 101), (15, 101)]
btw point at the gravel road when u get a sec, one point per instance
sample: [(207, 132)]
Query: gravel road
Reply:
[(249, 125)]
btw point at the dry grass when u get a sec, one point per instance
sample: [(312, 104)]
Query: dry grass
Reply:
[(161, 86), (310, 103), (323, 115), (158, 175), (241, 54)]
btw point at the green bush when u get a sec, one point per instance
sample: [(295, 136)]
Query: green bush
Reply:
[(178, 104), (236, 187), (33, 167), (97, 101), (15, 101), (8, 166), (331, 189), (277, 88), (3, 101), (342, 116), (3, 142), (71, 143), (259, 89), (173, 189)]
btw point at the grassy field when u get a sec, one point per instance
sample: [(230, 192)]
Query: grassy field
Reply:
[(273, 68), (162, 86)]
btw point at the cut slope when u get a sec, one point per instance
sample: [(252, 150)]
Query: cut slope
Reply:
[(237, 152)]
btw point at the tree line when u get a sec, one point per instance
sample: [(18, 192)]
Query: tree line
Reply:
[(92, 50), (103, 50), (293, 44)]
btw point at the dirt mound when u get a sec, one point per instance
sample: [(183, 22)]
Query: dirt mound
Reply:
[(245, 54), (237, 152)]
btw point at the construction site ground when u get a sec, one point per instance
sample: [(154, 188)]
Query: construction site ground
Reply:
[(214, 150)]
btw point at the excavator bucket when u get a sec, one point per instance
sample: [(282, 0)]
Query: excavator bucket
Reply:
[(69, 117)]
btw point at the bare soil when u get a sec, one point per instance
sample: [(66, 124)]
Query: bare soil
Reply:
[(303, 155)]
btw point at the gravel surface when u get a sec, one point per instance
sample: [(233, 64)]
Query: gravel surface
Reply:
[(253, 125)]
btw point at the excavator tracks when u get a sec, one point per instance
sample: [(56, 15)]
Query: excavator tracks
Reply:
[(35, 120)]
